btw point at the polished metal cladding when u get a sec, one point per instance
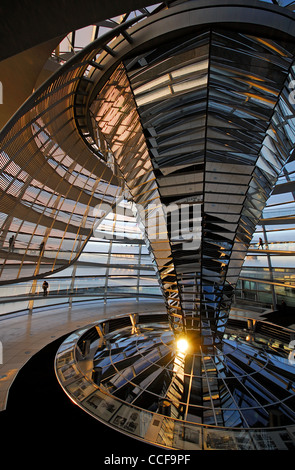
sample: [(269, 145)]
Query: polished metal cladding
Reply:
[(189, 111), (155, 149), (195, 128), (179, 400)]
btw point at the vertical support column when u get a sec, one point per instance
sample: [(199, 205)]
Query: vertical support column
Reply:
[(34, 284), (107, 272), (272, 286), (138, 272), (72, 286)]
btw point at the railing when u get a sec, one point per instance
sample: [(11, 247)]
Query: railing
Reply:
[(168, 432), (15, 301)]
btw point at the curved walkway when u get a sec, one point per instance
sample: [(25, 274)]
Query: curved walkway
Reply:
[(40, 414), (23, 335)]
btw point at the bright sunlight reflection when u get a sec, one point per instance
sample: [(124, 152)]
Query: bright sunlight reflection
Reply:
[(182, 345)]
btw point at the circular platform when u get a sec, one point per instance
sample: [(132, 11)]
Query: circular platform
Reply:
[(130, 374)]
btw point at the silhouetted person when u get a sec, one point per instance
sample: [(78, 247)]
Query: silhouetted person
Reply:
[(41, 248), (11, 242), (283, 306), (45, 287), (260, 243)]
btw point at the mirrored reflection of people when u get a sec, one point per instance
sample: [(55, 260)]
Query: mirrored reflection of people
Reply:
[(41, 248), (45, 288), (260, 243), (11, 243)]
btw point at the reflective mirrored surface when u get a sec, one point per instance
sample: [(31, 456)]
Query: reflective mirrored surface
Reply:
[(136, 380)]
